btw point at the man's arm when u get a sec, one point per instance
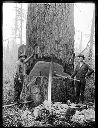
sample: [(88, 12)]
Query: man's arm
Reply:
[(90, 71), (25, 61)]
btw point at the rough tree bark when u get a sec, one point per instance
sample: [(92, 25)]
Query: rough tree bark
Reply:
[(50, 30), (51, 27)]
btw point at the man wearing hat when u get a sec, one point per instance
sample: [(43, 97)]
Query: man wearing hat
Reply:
[(82, 71), (18, 80)]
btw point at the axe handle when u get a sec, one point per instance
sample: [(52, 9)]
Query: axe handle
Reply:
[(67, 77)]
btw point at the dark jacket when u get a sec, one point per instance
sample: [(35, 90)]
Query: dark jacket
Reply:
[(83, 71)]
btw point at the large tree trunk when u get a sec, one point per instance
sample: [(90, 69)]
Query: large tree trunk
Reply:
[(51, 27), (50, 30)]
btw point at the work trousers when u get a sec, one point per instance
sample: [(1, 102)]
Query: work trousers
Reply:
[(18, 84), (80, 88)]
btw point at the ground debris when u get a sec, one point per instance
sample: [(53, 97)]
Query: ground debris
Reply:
[(49, 115)]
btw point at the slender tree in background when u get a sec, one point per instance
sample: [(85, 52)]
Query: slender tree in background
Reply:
[(18, 23), (91, 37), (80, 47), (88, 51)]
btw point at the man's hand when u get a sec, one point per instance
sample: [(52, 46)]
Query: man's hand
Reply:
[(78, 80), (69, 77), (74, 79), (19, 80)]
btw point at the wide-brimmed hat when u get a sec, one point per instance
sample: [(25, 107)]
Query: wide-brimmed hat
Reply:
[(81, 55), (23, 55)]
